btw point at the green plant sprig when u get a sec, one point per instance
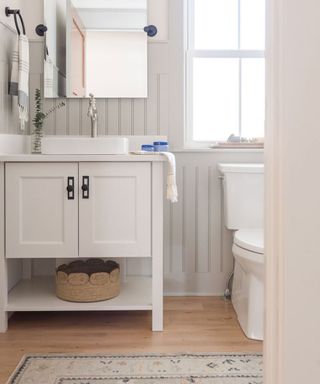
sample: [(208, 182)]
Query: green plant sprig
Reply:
[(40, 116)]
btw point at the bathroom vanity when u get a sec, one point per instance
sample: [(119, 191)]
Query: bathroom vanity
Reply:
[(56, 207)]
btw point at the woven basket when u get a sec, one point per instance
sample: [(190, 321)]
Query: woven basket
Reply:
[(88, 281)]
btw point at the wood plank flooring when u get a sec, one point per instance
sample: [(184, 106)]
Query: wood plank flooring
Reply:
[(193, 324)]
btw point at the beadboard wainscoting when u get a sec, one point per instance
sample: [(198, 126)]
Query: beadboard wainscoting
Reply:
[(198, 248)]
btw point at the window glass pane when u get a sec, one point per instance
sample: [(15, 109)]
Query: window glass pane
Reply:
[(216, 24), (252, 24), (215, 98), (252, 97)]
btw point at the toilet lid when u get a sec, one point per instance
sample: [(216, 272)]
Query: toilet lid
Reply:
[(250, 239)]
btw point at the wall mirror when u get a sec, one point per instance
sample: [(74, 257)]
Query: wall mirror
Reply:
[(95, 46)]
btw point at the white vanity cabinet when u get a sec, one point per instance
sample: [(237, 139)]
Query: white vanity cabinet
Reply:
[(46, 204), (80, 206)]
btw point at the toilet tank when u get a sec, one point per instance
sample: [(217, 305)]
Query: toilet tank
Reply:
[(243, 192)]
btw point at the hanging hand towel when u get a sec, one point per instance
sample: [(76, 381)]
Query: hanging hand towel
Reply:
[(19, 83), (172, 190)]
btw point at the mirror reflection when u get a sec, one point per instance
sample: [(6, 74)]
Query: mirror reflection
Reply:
[(95, 47)]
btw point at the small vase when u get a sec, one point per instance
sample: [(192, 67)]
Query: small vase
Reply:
[(36, 140)]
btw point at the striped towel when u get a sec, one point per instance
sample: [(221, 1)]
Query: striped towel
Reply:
[(19, 82)]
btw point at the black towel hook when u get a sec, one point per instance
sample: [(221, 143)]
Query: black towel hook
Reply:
[(151, 30), (41, 29), (16, 12)]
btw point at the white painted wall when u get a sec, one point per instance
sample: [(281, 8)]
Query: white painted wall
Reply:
[(158, 14), (293, 135), (33, 15), (12, 4)]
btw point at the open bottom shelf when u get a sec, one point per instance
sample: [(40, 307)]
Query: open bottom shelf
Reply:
[(38, 294)]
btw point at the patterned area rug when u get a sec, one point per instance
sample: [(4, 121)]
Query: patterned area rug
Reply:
[(140, 369)]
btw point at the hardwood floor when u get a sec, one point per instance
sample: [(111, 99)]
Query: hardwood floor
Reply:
[(197, 324)]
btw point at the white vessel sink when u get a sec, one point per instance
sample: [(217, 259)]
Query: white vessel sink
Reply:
[(66, 145)]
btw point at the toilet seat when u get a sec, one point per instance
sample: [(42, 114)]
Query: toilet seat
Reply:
[(250, 240)]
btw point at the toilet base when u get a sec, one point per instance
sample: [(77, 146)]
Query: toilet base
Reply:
[(248, 295)]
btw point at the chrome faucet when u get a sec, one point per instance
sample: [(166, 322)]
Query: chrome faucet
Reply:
[(93, 114)]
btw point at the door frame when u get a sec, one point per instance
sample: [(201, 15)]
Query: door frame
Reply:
[(274, 280)]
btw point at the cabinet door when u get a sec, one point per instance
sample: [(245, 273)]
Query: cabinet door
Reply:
[(41, 215), (115, 209)]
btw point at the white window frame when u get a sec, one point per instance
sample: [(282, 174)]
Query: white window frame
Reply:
[(192, 53)]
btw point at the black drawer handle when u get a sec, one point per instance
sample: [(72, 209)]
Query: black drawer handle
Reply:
[(85, 187), (70, 188)]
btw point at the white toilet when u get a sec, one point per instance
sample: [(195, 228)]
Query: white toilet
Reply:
[(243, 186)]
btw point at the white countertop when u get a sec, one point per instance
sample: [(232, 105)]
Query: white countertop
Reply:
[(30, 158)]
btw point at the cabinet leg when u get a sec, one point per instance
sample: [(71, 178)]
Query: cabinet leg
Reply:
[(157, 247), (3, 321), (157, 320), (3, 295), (157, 290)]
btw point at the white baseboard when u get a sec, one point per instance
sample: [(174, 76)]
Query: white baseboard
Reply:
[(193, 294)]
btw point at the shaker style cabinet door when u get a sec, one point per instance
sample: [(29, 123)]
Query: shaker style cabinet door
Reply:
[(41, 210), (115, 209)]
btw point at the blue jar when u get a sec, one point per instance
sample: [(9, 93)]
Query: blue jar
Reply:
[(161, 146), (147, 148)]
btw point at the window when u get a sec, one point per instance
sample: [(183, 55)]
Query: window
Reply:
[(225, 70)]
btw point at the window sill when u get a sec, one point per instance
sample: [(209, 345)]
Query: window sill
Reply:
[(219, 149), (237, 146), (223, 146)]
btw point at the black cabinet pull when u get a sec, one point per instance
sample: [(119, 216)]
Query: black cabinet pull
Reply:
[(85, 187), (70, 188)]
